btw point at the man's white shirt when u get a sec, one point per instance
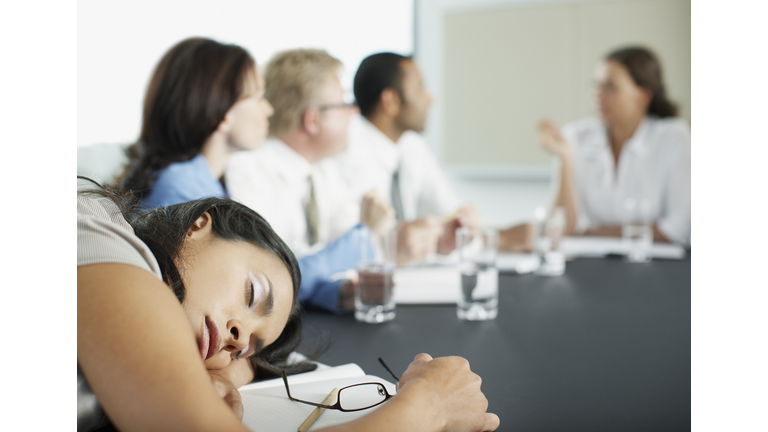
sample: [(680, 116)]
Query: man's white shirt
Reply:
[(274, 181), (372, 158)]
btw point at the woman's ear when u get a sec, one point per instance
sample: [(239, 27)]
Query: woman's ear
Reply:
[(647, 96), (226, 123), (202, 227)]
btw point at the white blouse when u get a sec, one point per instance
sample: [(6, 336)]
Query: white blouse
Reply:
[(654, 164)]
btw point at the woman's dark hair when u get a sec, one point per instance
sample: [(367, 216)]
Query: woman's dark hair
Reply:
[(376, 73), (192, 88), (645, 70), (163, 230)]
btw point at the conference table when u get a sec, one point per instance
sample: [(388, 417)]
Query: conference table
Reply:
[(604, 347)]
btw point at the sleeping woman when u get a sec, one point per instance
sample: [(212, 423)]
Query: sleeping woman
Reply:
[(179, 306)]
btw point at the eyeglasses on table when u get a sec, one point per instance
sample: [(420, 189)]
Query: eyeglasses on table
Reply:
[(355, 397)]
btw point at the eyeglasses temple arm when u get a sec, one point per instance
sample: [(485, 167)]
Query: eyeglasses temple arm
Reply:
[(391, 373)]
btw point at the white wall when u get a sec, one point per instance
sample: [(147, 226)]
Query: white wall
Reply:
[(119, 44), (495, 67)]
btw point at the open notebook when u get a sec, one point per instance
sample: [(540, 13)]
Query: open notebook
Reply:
[(267, 407)]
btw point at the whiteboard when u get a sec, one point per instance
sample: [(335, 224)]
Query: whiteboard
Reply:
[(497, 67)]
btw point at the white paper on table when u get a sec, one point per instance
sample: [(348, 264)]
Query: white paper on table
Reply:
[(520, 263), (595, 247), (427, 285)]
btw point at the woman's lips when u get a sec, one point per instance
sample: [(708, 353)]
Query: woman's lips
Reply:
[(204, 340), (211, 340)]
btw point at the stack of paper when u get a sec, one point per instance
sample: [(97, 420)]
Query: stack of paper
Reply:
[(595, 247), (441, 284), (427, 285)]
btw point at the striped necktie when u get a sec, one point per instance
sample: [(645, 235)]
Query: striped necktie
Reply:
[(397, 202), (312, 214)]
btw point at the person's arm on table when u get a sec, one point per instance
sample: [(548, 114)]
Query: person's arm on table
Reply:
[(138, 353), (675, 223), (518, 238), (467, 216), (439, 394), (615, 231), (417, 239), (317, 287), (552, 140)]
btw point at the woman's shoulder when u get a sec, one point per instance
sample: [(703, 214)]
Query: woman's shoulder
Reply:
[(104, 236), (100, 207), (669, 131), (182, 169)]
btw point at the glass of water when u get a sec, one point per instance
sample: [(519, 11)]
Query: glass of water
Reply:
[(479, 298), (552, 258), (636, 231), (374, 302)]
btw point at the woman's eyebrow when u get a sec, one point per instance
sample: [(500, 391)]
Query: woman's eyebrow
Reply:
[(269, 305)]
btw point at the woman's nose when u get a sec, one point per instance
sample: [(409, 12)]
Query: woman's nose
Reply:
[(237, 338)]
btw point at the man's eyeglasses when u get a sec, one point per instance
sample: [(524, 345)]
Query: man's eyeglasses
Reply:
[(354, 397), (335, 106)]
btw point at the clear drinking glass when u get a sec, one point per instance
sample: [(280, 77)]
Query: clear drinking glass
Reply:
[(636, 231), (374, 302), (552, 258), (479, 299)]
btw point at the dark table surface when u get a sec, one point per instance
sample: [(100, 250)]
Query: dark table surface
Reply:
[(605, 347)]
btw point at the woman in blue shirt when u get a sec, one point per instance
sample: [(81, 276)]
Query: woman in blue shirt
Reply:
[(205, 101)]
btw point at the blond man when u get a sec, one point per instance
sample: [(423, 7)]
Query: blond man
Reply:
[(287, 182)]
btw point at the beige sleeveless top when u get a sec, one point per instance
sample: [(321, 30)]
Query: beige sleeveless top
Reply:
[(104, 236)]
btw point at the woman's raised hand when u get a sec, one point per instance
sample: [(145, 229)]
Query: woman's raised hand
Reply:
[(552, 140), (450, 387)]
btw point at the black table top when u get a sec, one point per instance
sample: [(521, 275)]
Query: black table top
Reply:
[(606, 346)]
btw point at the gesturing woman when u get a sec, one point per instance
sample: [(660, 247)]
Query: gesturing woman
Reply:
[(635, 148)]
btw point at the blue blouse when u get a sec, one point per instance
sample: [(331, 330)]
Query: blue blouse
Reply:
[(186, 181), (183, 181)]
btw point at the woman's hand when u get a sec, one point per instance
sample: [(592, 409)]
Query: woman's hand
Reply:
[(453, 389), (227, 391), (552, 140)]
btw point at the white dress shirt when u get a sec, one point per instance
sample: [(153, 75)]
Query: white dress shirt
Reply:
[(654, 164), (372, 158), (274, 181)]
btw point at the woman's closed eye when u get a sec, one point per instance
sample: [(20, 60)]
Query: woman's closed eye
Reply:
[(256, 290)]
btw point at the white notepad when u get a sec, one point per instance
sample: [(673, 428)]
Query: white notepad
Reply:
[(586, 247), (267, 407)]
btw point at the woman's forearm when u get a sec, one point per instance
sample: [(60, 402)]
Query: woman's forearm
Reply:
[(400, 413), (566, 197), (615, 231), (435, 395), (138, 353)]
